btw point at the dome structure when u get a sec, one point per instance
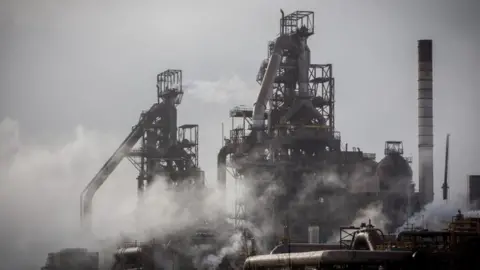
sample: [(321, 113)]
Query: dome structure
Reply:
[(395, 179), (394, 173)]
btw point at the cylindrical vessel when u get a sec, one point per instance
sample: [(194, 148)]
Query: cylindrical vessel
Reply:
[(425, 120), (303, 67), (274, 63), (394, 174)]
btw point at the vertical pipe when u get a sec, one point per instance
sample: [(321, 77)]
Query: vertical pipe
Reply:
[(303, 66), (267, 82), (425, 120), (445, 173), (282, 23)]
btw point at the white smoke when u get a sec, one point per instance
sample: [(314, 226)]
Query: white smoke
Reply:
[(39, 193), (233, 246), (259, 206), (222, 91), (436, 215), (164, 210), (40, 199), (371, 214)]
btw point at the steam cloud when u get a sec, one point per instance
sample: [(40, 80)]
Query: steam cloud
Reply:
[(39, 198), (39, 202), (437, 215), (39, 193)]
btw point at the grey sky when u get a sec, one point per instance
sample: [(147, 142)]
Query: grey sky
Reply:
[(93, 63)]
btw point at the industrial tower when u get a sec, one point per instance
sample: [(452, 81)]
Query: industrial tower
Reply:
[(289, 141), (165, 151)]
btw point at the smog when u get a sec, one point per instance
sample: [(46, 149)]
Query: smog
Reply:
[(282, 167)]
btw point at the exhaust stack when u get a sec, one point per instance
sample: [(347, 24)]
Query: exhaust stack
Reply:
[(425, 120)]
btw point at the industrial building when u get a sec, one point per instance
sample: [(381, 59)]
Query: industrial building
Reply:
[(367, 247), (285, 151), (289, 139), (166, 150)]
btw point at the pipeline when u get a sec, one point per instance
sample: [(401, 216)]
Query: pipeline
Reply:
[(222, 166), (303, 66), (125, 252), (127, 257), (281, 43), (303, 247), (326, 257)]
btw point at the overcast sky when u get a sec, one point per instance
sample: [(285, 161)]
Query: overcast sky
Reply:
[(65, 64)]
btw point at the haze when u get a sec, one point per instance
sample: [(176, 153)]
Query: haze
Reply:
[(75, 75)]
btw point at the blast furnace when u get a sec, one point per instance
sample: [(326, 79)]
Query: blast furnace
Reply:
[(287, 151)]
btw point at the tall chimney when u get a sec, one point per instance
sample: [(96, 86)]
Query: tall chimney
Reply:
[(425, 120)]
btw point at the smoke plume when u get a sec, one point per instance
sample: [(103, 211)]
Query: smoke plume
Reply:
[(436, 215), (39, 199), (39, 193)]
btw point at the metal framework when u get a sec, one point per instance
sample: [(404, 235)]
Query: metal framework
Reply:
[(160, 153), (241, 122), (347, 234), (294, 124), (291, 23), (169, 86), (393, 147), (300, 143), (167, 150)]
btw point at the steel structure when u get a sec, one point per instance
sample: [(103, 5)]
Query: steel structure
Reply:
[(368, 247), (165, 150), (288, 139)]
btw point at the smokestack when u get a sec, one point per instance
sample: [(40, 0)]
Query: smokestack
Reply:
[(425, 120)]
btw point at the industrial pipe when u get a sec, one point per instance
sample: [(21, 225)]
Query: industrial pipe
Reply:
[(222, 168), (87, 194), (303, 67), (123, 150), (126, 257), (425, 120), (122, 252), (329, 257), (280, 44)]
